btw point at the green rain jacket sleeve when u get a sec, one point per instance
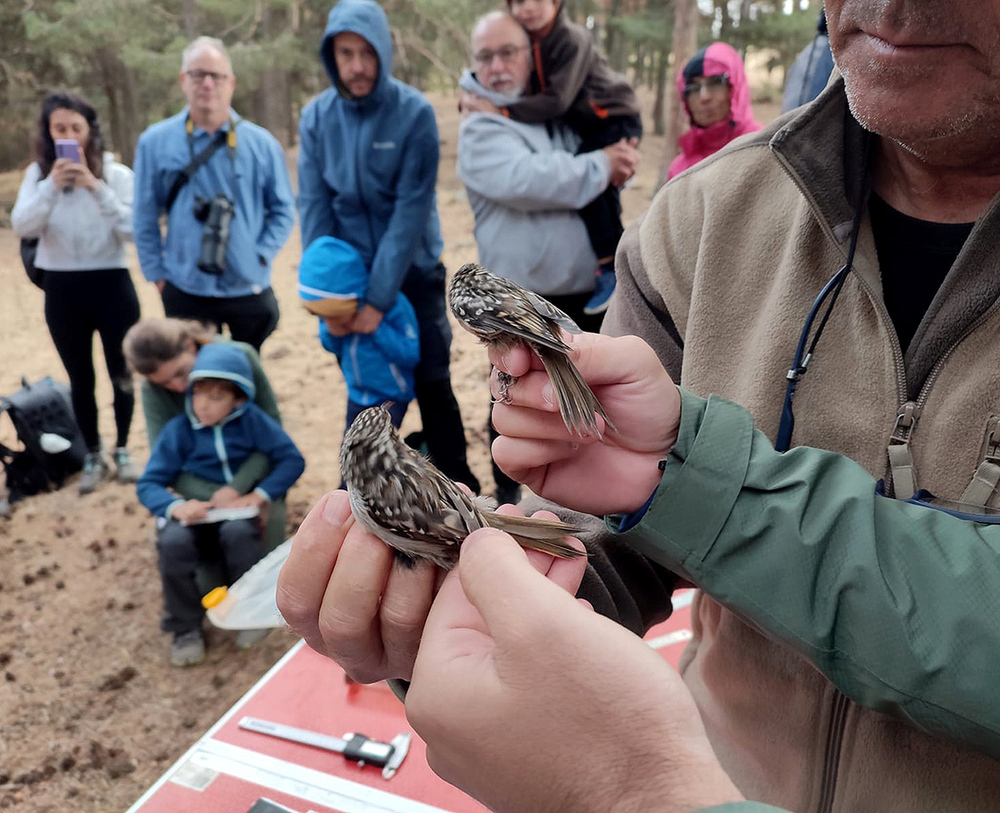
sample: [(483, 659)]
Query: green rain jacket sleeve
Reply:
[(897, 604)]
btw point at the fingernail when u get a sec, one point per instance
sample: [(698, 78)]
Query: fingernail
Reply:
[(337, 509), (547, 394), (505, 361)]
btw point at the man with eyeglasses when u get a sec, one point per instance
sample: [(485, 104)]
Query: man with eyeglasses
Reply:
[(525, 184), (716, 95), (223, 184), (368, 160)]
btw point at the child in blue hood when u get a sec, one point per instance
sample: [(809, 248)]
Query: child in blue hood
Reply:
[(378, 367), (220, 429)]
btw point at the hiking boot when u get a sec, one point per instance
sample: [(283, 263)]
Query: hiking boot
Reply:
[(188, 648), (604, 287), (247, 638), (95, 469), (126, 469)]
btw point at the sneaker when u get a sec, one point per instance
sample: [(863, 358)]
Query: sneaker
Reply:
[(247, 638), (126, 469), (601, 298), (188, 648), (95, 469)]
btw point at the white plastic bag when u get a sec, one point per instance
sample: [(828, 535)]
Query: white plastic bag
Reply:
[(250, 602)]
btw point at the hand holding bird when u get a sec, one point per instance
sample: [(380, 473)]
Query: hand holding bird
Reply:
[(503, 314), (402, 498)]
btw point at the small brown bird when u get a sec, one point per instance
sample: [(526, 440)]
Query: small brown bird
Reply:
[(504, 314), (401, 497)]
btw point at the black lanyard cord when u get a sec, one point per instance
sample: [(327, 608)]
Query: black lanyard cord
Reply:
[(832, 289)]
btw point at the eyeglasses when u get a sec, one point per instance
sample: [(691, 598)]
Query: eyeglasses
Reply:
[(712, 84), (506, 54), (200, 76)]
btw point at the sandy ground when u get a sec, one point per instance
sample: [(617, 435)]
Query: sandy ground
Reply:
[(90, 711)]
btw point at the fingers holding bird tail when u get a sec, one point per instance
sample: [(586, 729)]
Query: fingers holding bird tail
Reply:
[(577, 402), (553, 547)]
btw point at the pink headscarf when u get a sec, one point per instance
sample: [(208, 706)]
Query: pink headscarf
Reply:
[(700, 142)]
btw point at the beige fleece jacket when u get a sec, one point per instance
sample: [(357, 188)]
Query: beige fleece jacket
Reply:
[(719, 276)]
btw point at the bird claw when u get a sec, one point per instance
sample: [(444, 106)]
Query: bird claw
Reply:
[(504, 382)]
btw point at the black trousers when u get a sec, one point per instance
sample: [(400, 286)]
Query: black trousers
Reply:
[(443, 431), (572, 306), (603, 215), (78, 304), (181, 548), (251, 318)]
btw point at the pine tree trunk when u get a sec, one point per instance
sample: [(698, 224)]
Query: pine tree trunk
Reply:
[(662, 62), (271, 99), (685, 41), (119, 87)]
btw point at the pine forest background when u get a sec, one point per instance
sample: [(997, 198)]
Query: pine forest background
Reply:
[(124, 55)]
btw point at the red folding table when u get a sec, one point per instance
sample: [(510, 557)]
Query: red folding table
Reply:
[(229, 769)]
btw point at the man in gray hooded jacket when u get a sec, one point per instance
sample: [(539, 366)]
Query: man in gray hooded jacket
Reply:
[(524, 181)]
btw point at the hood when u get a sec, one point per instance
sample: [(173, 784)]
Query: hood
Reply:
[(710, 61), (470, 83), (332, 269), (366, 19), (226, 361)]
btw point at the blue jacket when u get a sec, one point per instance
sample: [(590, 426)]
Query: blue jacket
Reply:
[(378, 366), (214, 453), (368, 166), (264, 207)]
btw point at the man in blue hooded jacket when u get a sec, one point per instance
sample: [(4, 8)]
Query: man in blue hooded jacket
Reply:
[(368, 160)]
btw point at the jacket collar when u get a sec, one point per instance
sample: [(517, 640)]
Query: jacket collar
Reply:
[(822, 147)]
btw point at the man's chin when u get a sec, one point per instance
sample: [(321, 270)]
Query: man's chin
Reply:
[(360, 89)]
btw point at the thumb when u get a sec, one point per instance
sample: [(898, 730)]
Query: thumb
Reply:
[(603, 359), (504, 586)]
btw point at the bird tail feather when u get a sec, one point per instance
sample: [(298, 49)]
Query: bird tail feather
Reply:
[(576, 400), (544, 535)]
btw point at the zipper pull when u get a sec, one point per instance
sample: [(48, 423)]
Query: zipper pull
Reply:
[(904, 473), (984, 481)]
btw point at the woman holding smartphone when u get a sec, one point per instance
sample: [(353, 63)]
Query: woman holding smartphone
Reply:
[(77, 200)]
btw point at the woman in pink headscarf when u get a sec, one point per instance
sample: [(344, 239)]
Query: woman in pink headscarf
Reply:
[(716, 96)]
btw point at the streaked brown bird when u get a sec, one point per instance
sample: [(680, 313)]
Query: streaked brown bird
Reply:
[(503, 314), (401, 497)]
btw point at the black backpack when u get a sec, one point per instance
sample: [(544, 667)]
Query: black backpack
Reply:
[(29, 247), (35, 410)]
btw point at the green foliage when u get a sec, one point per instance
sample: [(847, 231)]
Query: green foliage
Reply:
[(124, 55), (769, 27)]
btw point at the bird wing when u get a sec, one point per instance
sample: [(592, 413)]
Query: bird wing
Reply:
[(439, 513), (508, 317), (549, 311)]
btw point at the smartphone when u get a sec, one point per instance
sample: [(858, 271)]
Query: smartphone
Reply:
[(68, 148)]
